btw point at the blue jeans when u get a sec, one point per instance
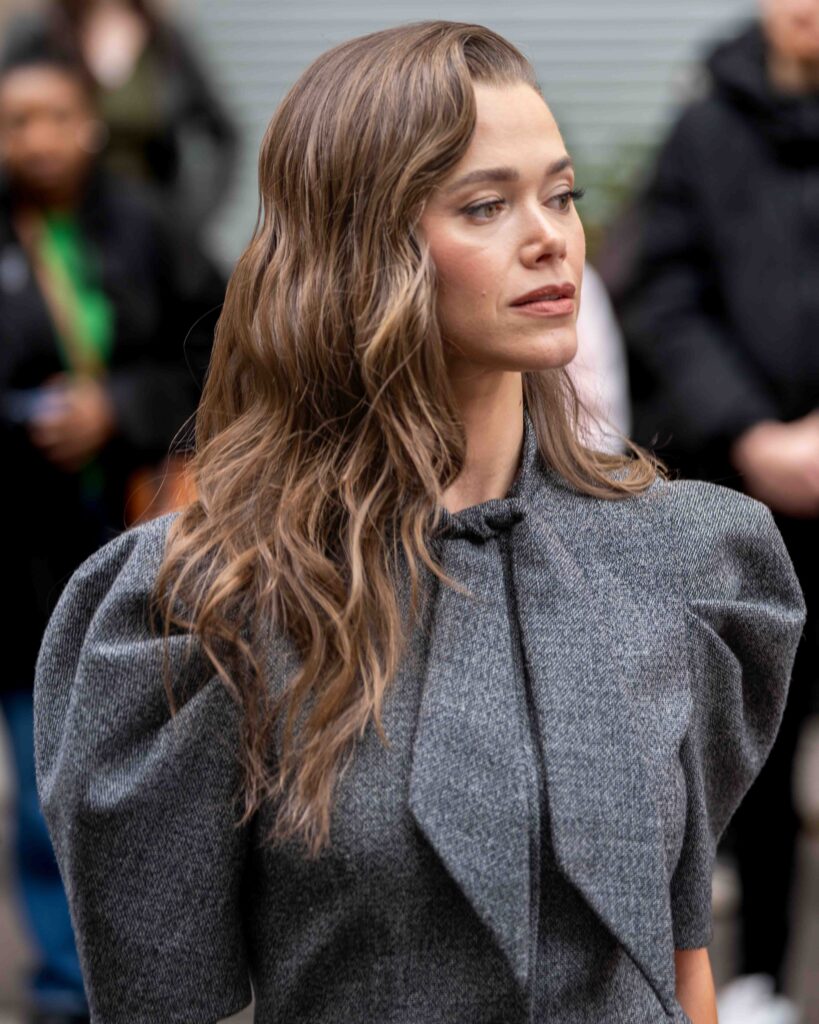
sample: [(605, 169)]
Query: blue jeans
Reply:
[(56, 983)]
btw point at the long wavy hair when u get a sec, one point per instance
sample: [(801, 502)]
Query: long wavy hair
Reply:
[(327, 431)]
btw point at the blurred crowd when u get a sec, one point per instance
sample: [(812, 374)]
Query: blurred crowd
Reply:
[(698, 337)]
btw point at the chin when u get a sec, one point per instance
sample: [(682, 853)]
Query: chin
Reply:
[(549, 351), (809, 52), (800, 47), (557, 349)]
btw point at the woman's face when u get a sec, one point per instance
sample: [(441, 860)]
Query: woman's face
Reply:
[(47, 129), (792, 27), (501, 226)]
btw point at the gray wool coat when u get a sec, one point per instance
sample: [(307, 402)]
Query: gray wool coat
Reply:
[(566, 746)]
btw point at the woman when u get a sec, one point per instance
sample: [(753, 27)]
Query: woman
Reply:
[(166, 126), (490, 696)]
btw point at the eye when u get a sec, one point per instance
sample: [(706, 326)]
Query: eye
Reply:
[(484, 211), (565, 199)]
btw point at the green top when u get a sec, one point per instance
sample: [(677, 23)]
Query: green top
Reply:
[(69, 263), (71, 268)]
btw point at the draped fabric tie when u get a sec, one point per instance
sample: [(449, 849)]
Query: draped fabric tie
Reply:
[(467, 785), (481, 522)]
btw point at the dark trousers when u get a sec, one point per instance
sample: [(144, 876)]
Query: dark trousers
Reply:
[(56, 984)]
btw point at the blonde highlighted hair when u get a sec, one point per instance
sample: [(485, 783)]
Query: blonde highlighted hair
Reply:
[(327, 430)]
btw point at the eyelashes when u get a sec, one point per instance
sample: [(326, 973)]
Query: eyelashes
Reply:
[(574, 194)]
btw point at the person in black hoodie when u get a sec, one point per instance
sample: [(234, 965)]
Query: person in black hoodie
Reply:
[(714, 276), (106, 324)]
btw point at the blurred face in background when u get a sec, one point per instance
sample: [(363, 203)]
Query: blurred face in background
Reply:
[(792, 28), (48, 132), (501, 226)]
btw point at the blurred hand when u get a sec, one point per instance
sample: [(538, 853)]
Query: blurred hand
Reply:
[(780, 464), (76, 424)]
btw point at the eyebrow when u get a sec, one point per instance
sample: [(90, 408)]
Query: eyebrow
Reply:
[(504, 174)]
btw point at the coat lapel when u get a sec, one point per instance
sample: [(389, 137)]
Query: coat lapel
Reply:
[(467, 788)]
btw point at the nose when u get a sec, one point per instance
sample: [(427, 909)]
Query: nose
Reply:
[(804, 11), (544, 237), (39, 138)]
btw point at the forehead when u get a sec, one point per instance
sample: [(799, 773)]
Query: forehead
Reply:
[(42, 85), (789, 7), (513, 119)]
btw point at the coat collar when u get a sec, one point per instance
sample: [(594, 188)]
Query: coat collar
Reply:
[(467, 793)]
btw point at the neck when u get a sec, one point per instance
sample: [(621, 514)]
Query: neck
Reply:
[(792, 75), (491, 408), (66, 197)]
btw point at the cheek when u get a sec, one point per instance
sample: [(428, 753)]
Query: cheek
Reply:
[(466, 273), (795, 40), (577, 243)]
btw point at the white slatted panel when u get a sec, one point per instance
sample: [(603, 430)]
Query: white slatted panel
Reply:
[(612, 71)]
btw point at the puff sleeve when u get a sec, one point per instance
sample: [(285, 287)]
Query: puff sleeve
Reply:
[(140, 805), (745, 614)]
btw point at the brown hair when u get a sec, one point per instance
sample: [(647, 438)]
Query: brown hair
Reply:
[(327, 431)]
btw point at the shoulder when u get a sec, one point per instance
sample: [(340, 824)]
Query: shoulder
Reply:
[(699, 507), (664, 506), (717, 537), (125, 565), (674, 534), (691, 505)]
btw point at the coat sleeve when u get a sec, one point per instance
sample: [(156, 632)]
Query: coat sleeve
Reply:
[(745, 614), (139, 804)]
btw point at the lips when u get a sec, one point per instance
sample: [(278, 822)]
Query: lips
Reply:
[(563, 290)]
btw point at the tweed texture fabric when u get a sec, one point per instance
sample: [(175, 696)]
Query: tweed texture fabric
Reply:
[(567, 743)]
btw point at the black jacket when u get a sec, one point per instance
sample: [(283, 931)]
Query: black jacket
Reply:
[(714, 274), (166, 297)]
